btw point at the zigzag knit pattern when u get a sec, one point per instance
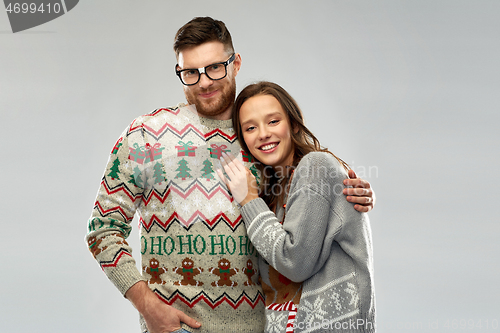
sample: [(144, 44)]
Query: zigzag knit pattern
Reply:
[(196, 254)]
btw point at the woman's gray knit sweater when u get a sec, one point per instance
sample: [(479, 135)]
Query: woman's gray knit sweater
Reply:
[(324, 243)]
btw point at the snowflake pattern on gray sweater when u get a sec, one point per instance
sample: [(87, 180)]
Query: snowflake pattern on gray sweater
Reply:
[(324, 243)]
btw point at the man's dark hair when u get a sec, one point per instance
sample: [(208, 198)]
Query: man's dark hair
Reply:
[(201, 30)]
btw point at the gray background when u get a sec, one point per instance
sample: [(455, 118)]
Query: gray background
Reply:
[(404, 91)]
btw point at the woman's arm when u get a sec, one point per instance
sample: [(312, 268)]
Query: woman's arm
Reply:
[(299, 247)]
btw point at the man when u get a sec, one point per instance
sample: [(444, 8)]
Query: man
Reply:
[(199, 268)]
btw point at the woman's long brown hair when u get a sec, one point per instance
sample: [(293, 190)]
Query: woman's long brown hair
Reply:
[(303, 141)]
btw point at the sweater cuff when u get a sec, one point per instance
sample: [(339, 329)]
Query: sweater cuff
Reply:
[(252, 209), (125, 277)]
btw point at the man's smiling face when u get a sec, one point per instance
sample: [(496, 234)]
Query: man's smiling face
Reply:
[(212, 98)]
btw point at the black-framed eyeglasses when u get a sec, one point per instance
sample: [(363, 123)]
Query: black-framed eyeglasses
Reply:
[(216, 71)]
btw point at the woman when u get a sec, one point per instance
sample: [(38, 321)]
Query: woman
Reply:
[(316, 253)]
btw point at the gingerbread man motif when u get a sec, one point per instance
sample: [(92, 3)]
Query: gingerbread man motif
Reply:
[(122, 240), (284, 289), (224, 272), (93, 244), (249, 272), (155, 271), (188, 272)]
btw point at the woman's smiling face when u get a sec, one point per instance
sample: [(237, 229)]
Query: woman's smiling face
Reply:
[(266, 130)]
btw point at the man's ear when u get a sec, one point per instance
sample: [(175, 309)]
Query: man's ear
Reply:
[(236, 63)]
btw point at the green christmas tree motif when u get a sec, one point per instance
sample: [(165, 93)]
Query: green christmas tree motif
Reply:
[(255, 172), (207, 170), (114, 169), (183, 170), (159, 173), (136, 178)]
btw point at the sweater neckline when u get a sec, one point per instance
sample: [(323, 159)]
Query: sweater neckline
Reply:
[(208, 122)]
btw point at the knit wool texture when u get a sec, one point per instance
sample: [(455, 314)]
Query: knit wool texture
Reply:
[(196, 254), (322, 251)]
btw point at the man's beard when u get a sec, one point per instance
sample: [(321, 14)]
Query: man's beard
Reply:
[(217, 106)]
